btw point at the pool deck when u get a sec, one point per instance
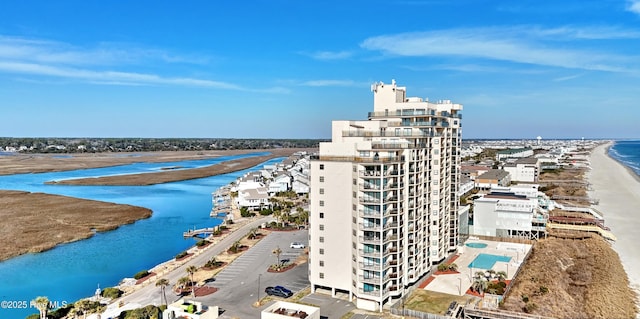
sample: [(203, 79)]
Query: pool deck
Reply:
[(458, 284)]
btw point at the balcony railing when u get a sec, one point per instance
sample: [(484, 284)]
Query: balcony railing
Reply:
[(370, 239), (369, 253), (371, 266), (369, 213), (375, 280), (370, 227), (364, 200)]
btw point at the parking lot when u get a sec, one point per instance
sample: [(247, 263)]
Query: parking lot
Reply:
[(243, 281)]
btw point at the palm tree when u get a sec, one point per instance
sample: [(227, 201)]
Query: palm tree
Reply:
[(163, 283), (192, 270), (502, 275), (183, 282), (277, 253), (42, 303), (480, 284)]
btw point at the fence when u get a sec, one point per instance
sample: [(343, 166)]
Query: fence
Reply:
[(417, 314)]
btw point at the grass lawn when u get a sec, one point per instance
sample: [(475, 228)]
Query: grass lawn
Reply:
[(432, 302)]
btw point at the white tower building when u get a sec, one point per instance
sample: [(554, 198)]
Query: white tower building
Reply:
[(384, 197)]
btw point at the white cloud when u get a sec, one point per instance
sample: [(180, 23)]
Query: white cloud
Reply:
[(567, 78), (106, 77), (44, 51), (518, 44), (37, 57), (633, 6), (328, 55)]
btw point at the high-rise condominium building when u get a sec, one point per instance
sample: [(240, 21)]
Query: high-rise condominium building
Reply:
[(384, 197)]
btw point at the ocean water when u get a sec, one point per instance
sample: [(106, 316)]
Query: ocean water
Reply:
[(628, 153), (74, 270)]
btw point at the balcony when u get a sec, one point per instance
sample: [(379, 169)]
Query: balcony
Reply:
[(390, 225), (369, 173), (369, 213), (370, 240), (370, 200), (369, 253), (375, 293), (369, 186), (370, 227), (369, 279), (371, 266)]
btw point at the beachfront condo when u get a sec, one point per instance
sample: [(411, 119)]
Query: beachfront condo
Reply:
[(384, 198)]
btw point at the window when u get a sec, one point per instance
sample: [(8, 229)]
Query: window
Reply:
[(321, 179), (321, 226), (321, 251), (354, 194), (321, 190), (321, 263), (435, 192), (354, 181), (321, 275), (321, 215), (321, 239), (321, 203), (321, 166)]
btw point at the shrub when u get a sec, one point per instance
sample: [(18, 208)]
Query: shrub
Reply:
[(111, 292), (544, 290), (525, 298), (182, 254), (33, 316), (530, 307), (266, 212), (141, 274), (202, 243), (223, 227), (230, 222), (453, 266), (442, 267)]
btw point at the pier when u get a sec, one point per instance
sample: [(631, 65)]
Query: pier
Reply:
[(204, 232)]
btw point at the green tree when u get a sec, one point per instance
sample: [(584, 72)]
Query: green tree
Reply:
[(479, 285), (183, 282), (192, 270), (277, 252), (502, 275), (163, 283), (42, 303)]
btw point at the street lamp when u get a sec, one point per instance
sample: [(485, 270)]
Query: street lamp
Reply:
[(258, 302)]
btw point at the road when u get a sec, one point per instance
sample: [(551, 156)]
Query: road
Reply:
[(150, 294)]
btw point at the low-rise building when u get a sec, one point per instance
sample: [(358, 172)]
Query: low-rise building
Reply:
[(514, 153), (493, 178), (508, 215), (288, 310), (524, 170), (190, 309)]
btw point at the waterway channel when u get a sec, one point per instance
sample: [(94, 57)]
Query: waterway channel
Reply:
[(74, 270)]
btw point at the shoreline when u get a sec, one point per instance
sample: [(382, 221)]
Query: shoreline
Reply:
[(618, 189)]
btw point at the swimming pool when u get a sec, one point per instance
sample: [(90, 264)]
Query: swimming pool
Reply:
[(486, 261), (476, 245)]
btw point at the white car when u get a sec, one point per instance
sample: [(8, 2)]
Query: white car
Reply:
[(296, 245)]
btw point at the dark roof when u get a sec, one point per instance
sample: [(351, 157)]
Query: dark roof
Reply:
[(497, 174)]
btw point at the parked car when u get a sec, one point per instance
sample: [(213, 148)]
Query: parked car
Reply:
[(285, 290), (278, 291), (296, 244)]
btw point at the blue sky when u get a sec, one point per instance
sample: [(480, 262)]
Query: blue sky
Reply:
[(287, 68)]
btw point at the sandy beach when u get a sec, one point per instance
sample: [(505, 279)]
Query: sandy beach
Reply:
[(618, 190)]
